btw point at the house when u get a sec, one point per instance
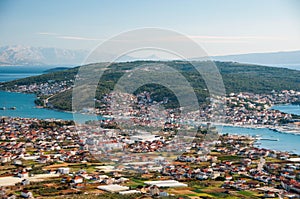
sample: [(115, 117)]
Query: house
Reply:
[(63, 170), (26, 194), (154, 191), (43, 159), (163, 194), (11, 196), (84, 174), (102, 178), (66, 179), (5, 158), (17, 162), (23, 174), (25, 182), (122, 180), (79, 186), (144, 190), (214, 175), (78, 179), (269, 195), (228, 178), (201, 176), (109, 180)]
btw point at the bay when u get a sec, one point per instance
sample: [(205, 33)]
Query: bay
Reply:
[(286, 142), (9, 73), (26, 108), (288, 108)]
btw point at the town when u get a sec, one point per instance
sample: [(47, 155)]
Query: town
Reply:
[(139, 148), (47, 158), (149, 99), (242, 109)]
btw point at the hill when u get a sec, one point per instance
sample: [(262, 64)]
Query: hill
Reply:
[(51, 70), (237, 78)]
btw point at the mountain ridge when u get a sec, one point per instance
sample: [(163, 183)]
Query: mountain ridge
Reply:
[(36, 56), (18, 55), (268, 58)]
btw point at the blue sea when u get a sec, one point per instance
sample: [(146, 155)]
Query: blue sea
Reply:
[(25, 107), (9, 73), (292, 109), (286, 142), (24, 103)]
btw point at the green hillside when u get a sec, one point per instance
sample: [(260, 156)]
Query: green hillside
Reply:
[(237, 78)]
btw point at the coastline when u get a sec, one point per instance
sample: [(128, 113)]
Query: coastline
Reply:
[(278, 129)]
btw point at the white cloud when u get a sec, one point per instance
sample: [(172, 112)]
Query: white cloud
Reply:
[(46, 33), (68, 37), (208, 37), (78, 38)]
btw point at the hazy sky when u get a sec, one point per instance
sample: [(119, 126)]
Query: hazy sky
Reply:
[(220, 26)]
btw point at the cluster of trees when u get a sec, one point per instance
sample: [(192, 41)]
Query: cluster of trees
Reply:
[(50, 124)]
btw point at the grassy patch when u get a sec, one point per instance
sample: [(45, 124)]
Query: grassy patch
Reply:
[(198, 190), (134, 182), (246, 193), (219, 195), (229, 158)]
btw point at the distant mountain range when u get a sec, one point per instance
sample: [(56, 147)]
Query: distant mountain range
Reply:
[(287, 58), (38, 56), (35, 56), (27, 55)]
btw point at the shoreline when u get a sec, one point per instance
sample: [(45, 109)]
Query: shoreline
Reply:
[(270, 127), (279, 129), (254, 136)]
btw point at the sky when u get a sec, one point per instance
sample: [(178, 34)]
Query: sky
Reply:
[(220, 27)]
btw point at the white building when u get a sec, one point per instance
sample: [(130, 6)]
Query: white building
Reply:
[(166, 183), (63, 170), (113, 188), (26, 194)]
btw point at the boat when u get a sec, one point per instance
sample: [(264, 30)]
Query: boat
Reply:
[(2, 108), (269, 139), (273, 129), (12, 108)]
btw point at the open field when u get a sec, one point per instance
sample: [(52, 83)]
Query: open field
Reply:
[(11, 180)]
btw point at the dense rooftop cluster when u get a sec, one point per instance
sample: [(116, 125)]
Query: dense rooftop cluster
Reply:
[(52, 151)]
